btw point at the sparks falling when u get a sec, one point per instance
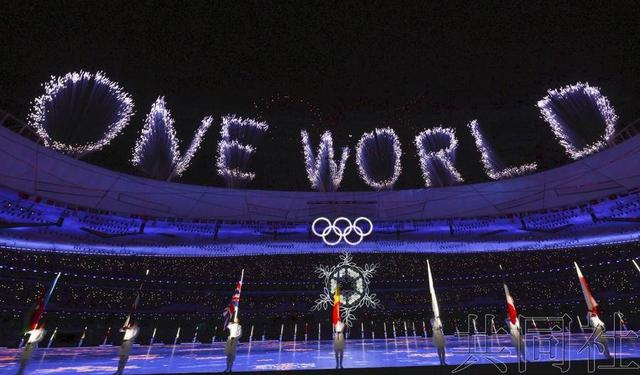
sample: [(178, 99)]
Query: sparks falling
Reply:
[(573, 107), (239, 139), (322, 170), (492, 164), (157, 152), (80, 112), (436, 149), (378, 155)]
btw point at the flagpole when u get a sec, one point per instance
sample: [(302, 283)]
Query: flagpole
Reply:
[(235, 313), (134, 306), (35, 319), (53, 286)]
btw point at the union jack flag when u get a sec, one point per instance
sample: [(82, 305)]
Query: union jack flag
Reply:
[(231, 311)]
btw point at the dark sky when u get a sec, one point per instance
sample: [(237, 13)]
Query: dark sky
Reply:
[(409, 66)]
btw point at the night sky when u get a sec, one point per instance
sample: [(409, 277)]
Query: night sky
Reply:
[(394, 64)]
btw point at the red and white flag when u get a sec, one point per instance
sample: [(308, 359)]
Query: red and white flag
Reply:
[(592, 305), (511, 306)]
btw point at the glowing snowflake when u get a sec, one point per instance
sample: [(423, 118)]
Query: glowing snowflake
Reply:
[(354, 287)]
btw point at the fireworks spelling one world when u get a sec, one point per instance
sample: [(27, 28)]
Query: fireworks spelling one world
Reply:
[(82, 112)]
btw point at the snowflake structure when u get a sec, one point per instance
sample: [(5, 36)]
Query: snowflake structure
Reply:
[(354, 287)]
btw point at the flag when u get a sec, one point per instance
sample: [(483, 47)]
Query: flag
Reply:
[(134, 305), (43, 300), (511, 306), (432, 291), (231, 311), (37, 311), (335, 314), (592, 305)]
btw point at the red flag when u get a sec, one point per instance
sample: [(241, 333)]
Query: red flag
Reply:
[(335, 316), (37, 312), (511, 308)]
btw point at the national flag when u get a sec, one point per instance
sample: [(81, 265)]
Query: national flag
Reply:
[(592, 305), (37, 311), (231, 311), (335, 315), (511, 306), (432, 291), (134, 305), (40, 306)]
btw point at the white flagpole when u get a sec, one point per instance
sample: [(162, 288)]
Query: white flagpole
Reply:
[(588, 297), (235, 314)]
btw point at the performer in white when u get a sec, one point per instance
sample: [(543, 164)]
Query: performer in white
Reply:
[(36, 327), (598, 326), (131, 331), (514, 323), (231, 346), (436, 323), (35, 336)]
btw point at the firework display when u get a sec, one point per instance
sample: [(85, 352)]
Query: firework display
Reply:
[(437, 154), (322, 170), (80, 112), (185, 160), (239, 138), (493, 166), (574, 107), (157, 152), (378, 157)]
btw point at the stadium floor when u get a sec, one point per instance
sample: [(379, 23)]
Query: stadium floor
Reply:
[(493, 354)]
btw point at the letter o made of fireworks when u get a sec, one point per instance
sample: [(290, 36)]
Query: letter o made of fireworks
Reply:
[(378, 155), (80, 112)]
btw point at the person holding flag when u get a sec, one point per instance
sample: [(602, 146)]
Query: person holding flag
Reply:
[(338, 329), (599, 329), (130, 330), (235, 329), (36, 330)]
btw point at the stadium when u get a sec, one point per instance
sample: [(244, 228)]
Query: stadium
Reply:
[(338, 243)]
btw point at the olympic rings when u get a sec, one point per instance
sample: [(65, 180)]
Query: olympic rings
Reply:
[(342, 233)]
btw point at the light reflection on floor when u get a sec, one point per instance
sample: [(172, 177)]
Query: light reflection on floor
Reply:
[(273, 355)]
